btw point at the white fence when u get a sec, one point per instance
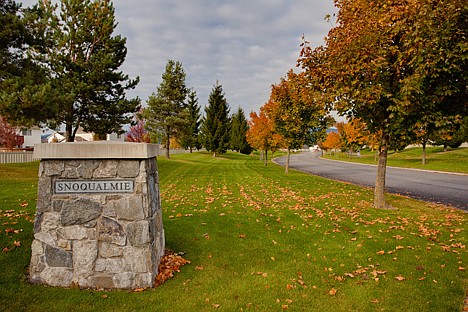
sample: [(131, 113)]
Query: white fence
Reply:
[(15, 157)]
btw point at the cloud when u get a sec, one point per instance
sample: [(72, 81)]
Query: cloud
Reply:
[(246, 45)]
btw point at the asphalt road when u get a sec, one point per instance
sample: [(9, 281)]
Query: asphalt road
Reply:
[(451, 189)]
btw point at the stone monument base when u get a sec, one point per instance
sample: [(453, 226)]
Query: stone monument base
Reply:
[(99, 221)]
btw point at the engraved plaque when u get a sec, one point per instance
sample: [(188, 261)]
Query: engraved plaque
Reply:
[(93, 186)]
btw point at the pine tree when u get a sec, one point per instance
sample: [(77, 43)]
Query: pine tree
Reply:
[(216, 123), (190, 136), (165, 114), (84, 58), (24, 83), (239, 128)]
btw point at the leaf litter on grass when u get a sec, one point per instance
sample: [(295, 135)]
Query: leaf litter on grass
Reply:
[(342, 219)]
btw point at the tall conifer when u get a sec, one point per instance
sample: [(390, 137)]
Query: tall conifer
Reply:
[(165, 115), (190, 136), (239, 128), (216, 124), (84, 56)]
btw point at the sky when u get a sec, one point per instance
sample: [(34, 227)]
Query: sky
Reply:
[(245, 45)]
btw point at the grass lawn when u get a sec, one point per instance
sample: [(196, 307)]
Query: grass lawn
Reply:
[(454, 160), (259, 240)]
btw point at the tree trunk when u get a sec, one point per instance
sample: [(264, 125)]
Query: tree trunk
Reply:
[(445, 146), (266, 157), (424, 153), (190, 150), (379, 190), (286, 168), (168, 146), (214, 154), (69, 135)]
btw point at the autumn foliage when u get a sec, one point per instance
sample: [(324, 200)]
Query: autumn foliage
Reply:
[(332, 142), (171, 262), (7, 134), (261, 134), (138, 133), (393, 64)]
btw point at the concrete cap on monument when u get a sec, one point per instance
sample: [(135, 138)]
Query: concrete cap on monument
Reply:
[(95, 150)]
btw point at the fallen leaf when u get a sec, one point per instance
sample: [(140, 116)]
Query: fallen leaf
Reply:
[(242, 235), (104, 296), (332, 292), (17, 243), (199, 268), (461, 268), (139, 289), (170, 263), (381, 252), (400, 278), (216, 305)]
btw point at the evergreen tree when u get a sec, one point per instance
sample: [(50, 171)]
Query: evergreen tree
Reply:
[(190, 137), (216, 123), (24, 84), (239, 128), (166, 112), (84, 58)]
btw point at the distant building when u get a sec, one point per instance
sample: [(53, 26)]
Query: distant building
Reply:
[(116, 137), (80, 136), (27, 137)]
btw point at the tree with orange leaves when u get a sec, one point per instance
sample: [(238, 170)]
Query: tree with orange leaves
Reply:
[(353, 134), (297, 113), (332, 142), (391, 63), (261, 134)]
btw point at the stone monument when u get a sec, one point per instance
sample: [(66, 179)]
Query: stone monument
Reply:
[(98, 221)]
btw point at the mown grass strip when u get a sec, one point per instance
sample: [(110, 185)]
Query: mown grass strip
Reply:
[(260, 240), (454, 160)]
